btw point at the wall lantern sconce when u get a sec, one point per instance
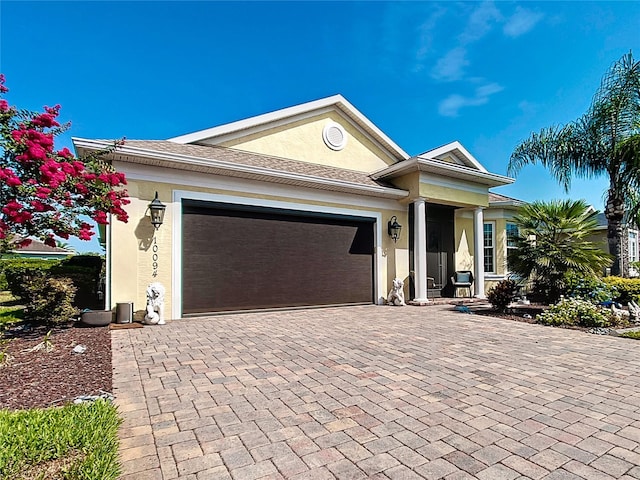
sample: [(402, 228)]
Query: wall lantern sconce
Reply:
[(157, 208), (394, 228)]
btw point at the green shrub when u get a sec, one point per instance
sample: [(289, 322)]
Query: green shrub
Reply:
[(576, 312), (593, 289), (49, 300), (83, 270), (502, 294), (19, 271), (628, 288)]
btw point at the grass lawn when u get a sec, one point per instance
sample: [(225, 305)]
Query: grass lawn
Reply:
[(76, 442), (634, 335), (10, 312)]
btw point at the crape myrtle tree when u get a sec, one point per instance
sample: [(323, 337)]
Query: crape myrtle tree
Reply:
[(604, 141), (44, 192)]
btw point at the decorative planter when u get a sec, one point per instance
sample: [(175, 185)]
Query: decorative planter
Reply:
[(97, 318)]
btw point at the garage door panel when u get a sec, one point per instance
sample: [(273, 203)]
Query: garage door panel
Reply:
[(249, 260)]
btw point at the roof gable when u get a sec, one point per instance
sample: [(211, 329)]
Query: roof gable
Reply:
[(231, 134), (454, 153)]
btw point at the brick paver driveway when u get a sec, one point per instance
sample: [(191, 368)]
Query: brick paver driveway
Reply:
[(375, 392)]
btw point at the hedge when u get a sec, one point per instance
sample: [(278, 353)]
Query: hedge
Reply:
[(83, 270)]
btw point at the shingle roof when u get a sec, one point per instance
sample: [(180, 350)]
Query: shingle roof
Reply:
[(497, 198), (36, 246), (242, 157)]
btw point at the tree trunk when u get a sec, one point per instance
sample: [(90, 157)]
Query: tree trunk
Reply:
[(624, 251), (614, 212)]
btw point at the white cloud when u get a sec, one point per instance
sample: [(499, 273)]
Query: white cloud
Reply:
[(451, 66), (488, 90), (425, 30), (480, 22), (521, 22), (451, 106)]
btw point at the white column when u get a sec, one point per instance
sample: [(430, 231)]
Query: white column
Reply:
[(478, 259), (420, 249)]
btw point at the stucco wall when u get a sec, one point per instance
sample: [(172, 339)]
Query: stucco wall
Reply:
[(132, 244), (452, 195), (302, 140)]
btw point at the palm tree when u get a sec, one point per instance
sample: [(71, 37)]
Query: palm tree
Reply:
[(598, 143), (553, 239)]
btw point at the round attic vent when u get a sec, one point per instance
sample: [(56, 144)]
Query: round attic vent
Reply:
[(334, 136)]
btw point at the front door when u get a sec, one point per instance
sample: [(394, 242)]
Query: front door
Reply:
[(440, 249)]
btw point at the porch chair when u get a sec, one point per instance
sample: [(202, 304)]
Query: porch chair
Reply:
[(462, 279)]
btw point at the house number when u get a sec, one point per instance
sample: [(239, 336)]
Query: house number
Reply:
[(154, 258)]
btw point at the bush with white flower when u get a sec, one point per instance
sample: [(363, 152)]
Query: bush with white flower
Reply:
[(579, 313)]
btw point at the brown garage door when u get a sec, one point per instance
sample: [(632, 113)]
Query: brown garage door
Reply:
[(235, 258)]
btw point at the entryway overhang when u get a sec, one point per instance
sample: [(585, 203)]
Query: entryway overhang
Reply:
[(442, 182)]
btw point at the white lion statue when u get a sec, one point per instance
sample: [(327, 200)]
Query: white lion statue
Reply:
[(155, 304), (396, 295)]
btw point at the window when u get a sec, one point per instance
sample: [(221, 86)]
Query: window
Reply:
[(512, 235), (633, 246), (489, 247)]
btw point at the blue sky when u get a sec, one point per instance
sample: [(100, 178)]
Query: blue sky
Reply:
[(426, 73)]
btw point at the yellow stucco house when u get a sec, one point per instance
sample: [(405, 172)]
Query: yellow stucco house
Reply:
[(292, 209)]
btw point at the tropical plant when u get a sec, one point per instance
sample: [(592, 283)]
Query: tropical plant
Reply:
[(553, 239), (46, 192), (604, 141)]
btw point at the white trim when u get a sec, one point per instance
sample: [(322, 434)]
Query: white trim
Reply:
[(494, 277), (438, 167), (180, 195), (493, 244), (451, 148), (50, 254), (420, 250), (635, 243), (267, 120), (108, 268), (478, 258), (149, 173)]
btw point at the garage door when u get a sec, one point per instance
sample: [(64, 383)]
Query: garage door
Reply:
[(239, 258)]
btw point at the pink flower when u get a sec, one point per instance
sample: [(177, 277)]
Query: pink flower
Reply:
[(13, 181), (4, 106), (82, 188), (67, 168), (45, 120), (50, 241), (85, 232), (3, 89), (38, 206), (65, 153), (101, 218), (43, 192)]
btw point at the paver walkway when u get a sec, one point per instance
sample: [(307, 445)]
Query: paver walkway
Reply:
[(375, 392)]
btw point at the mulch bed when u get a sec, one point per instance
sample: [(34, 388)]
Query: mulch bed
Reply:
[(44, 379)]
